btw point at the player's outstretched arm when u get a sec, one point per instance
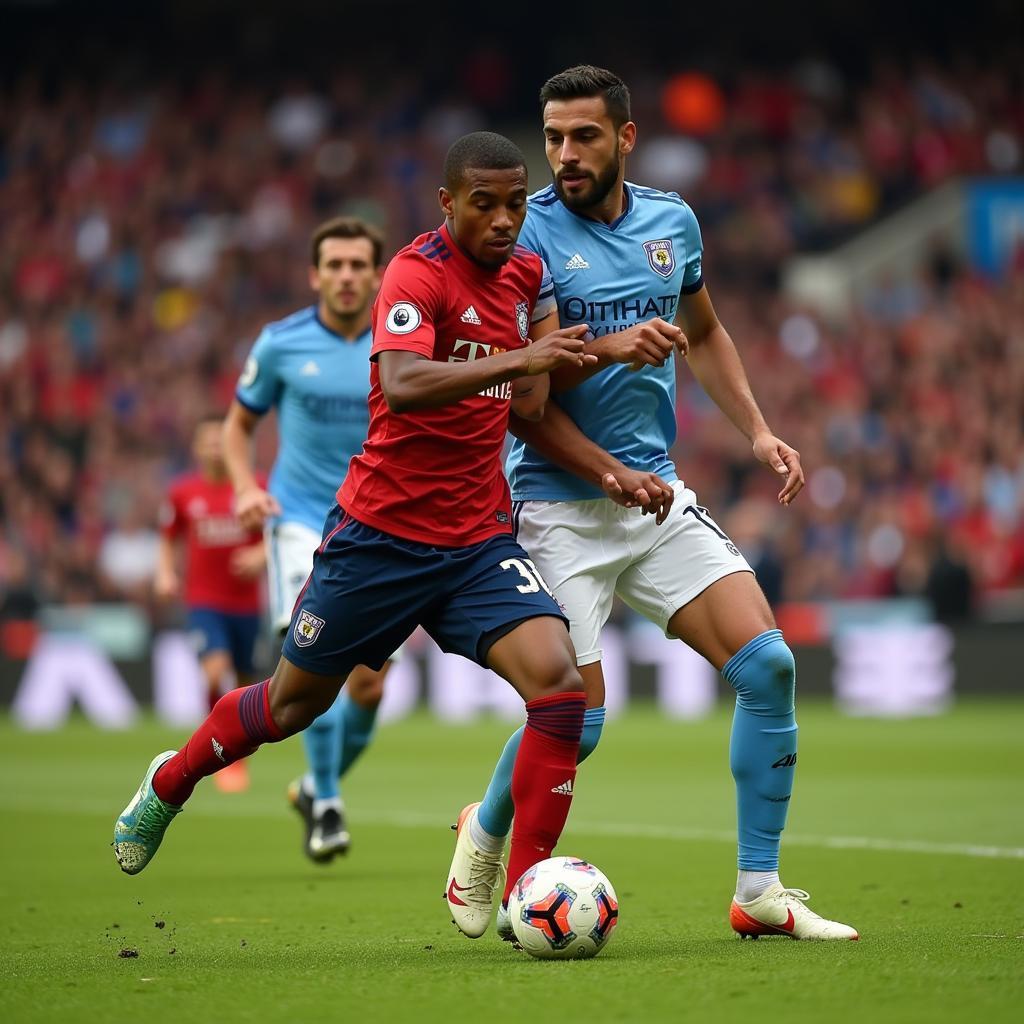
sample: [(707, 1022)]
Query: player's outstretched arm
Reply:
[(410, 381), (253, 505), (560, 441), (717, 366)]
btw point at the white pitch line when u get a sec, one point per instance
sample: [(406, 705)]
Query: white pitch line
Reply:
[(626, 830)]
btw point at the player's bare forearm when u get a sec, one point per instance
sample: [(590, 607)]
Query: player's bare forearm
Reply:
[(530, 396), (717, 366), (411, 382), (560, 441), (568, 377), (239, 426)]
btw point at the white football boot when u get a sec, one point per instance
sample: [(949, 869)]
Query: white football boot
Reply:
[(779, 911), (503, 923), (473, 879)]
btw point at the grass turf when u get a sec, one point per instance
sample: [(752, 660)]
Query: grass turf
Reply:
[(253, 932)]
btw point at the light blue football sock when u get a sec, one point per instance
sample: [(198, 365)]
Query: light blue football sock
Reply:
[(762, 751), (356, 732), (322, 740), (496, 810)]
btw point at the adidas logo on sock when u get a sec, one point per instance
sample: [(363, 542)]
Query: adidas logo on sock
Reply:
[(565, 788), (577, 262), (470, 317), (218, 750)]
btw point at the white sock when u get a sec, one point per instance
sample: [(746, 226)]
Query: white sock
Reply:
[(307, 786), (751, 884), (483, 838), (320, 807)]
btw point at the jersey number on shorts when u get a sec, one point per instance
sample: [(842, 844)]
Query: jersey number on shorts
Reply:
[(703, 516), (534, 582)]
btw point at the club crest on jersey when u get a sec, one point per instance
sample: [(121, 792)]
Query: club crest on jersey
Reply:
[(307, 629), (661, 256), (403, 318), (523, 319)]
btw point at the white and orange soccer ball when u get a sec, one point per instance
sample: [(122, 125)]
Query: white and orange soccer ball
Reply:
[(563, 908)]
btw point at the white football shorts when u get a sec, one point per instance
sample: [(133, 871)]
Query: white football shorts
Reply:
[(589, 551), (290, 549)]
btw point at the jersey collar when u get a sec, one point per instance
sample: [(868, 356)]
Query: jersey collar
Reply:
[(334, 334), (613, 226)]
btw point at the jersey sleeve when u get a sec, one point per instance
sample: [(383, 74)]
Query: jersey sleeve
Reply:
[(545, 304), (408, 306), (259, 385), (172, 522), (693, 275)]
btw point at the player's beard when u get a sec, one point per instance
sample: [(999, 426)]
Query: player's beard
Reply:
[(601, 184)]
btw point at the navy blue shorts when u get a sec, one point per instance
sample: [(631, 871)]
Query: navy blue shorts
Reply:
[(369, 590), (225, 631)]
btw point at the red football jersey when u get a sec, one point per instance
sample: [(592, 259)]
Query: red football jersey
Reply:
[(203, 513), (435, 475)]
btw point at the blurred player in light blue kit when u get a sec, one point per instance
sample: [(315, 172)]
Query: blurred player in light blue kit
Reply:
[(626, 260), (314, 368)]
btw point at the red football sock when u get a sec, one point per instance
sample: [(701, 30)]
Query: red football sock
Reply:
[(542, 779), (239, 723)]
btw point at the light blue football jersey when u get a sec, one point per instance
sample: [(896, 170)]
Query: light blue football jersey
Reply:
[(319, 382), (612, 276)]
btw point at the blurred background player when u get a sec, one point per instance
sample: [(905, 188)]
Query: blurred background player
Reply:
[(314, 368), (628, 260), (224, 562)]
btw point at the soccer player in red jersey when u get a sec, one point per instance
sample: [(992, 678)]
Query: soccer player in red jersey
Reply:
[(223, 565), (421, 534)]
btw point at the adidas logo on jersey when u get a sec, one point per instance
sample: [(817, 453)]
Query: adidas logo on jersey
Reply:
[(310, 369), (565, 788), (470, 317), (577, 262)]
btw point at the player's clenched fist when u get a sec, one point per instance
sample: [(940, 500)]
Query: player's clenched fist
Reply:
[(254, 506), (559, 348), (646, 344)]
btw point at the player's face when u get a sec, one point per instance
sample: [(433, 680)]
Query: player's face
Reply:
[(486, 213), (584, 149), (208, 447), (346, 277)]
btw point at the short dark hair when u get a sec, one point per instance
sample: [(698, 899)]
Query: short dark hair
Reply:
[(481, 151), (584, 81), (347, 227)]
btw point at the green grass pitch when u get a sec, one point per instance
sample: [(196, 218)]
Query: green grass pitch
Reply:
[(911, 830)]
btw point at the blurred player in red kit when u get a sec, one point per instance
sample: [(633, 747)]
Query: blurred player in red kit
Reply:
[(224, 564)]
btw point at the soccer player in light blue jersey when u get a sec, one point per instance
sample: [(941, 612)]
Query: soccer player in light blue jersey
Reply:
[(626, 260), (314, 368)]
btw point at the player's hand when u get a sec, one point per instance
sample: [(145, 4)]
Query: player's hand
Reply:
[(564, 347), (166, 585), (254, 506), (249, 562), (785, 461), (647, 491), (646, 344)]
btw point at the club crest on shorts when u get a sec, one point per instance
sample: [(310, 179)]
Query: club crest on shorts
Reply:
[(307, 628), (523, 319), (661, 256)]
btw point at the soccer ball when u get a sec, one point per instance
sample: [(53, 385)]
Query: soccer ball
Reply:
[(563, 908)]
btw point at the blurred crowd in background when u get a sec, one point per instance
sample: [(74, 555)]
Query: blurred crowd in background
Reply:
[(148, 229)]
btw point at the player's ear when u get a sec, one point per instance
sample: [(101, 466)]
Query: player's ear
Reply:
[(314, 278), (627, 138), (447, 201)]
